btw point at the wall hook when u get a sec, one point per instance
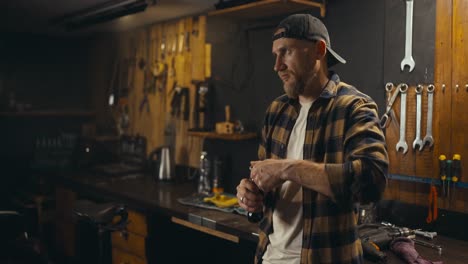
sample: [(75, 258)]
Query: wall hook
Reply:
[(456, 87), (443, 87), (466, 87)]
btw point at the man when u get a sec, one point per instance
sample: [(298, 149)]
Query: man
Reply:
[(322, 151)]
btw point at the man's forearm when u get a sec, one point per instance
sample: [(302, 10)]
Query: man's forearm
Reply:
[(309, 174)]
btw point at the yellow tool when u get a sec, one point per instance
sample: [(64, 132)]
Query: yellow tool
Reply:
[(456, 164), (222, 201), (442, 172), (456, 167)]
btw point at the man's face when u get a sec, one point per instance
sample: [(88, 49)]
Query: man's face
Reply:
[(295, 63)]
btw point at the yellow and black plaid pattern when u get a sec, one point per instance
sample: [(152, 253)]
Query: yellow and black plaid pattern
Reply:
[(343, 132)]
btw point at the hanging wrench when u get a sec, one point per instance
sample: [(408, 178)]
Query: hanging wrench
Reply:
[(391, 99), (417, 141), (428, 140), (408, 59), (402, 142)]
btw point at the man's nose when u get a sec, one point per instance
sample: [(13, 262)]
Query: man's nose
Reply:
[(279, 65)]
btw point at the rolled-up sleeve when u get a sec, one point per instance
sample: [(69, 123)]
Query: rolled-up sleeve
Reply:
[(362, 175)]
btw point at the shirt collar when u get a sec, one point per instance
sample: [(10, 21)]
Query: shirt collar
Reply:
[(330, 89)]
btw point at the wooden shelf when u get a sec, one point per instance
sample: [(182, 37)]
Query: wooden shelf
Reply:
[(269, 8), (214, 135), (53, 113)]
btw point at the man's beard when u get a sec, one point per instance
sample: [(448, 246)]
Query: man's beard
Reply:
[(295, 89)]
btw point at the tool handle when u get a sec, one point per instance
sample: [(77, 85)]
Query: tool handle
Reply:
[(442, 167), (456, 167), (372, 251)]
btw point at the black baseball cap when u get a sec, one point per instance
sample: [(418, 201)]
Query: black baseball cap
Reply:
[(308, 27)]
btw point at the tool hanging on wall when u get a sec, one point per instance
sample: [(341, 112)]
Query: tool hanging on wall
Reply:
[(417, 143), (433, 212), (428, 140), (443, 173), (391, 99), (408, 59), (163, 47), (456, 169), (401, 144), (159, 72), (180, 102)]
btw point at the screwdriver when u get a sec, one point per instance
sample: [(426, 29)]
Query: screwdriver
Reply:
[(442, 172), (455, 170)]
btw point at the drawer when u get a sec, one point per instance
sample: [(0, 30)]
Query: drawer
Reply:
[(137, 223), (132, 243), (121, 257)]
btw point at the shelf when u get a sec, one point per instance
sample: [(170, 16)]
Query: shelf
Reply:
[(214, 135), (269, 8), (56, 113)]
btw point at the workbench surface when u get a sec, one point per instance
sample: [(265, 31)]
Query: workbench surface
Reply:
[(149, 196)]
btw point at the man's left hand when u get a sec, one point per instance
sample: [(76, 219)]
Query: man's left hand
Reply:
[(269, 174)]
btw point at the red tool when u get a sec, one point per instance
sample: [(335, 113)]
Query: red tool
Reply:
[(432, 213)]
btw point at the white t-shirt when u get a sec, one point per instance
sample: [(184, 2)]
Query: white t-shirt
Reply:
[(286, 239)]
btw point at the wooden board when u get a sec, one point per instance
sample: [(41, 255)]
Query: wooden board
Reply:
[(459, 119), (182, 65)]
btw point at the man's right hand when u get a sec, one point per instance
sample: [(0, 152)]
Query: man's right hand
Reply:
[(249, 196)]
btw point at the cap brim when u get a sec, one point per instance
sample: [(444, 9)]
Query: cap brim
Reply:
[(334, 58)]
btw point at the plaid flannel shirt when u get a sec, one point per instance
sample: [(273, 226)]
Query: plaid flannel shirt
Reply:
[(342, 132)]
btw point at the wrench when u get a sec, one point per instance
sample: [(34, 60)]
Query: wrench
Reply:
[(417, 141), (408, 59), (391, 99), (430, 101), (402, 142)]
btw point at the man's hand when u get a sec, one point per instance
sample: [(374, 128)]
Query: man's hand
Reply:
[(249, 196), (269, 174)]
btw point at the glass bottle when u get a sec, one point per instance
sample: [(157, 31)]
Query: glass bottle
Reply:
[(218, 176), (204, 180)]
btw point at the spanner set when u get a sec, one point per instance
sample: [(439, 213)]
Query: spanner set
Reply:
[(402, 89)]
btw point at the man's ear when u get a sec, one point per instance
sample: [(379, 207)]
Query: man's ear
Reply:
[(320, 48)]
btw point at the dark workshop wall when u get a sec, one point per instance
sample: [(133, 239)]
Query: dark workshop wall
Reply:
[(44, 74), (242, 68)]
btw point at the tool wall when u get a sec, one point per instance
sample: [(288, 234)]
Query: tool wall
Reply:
[(413, 172), (157, 66)]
